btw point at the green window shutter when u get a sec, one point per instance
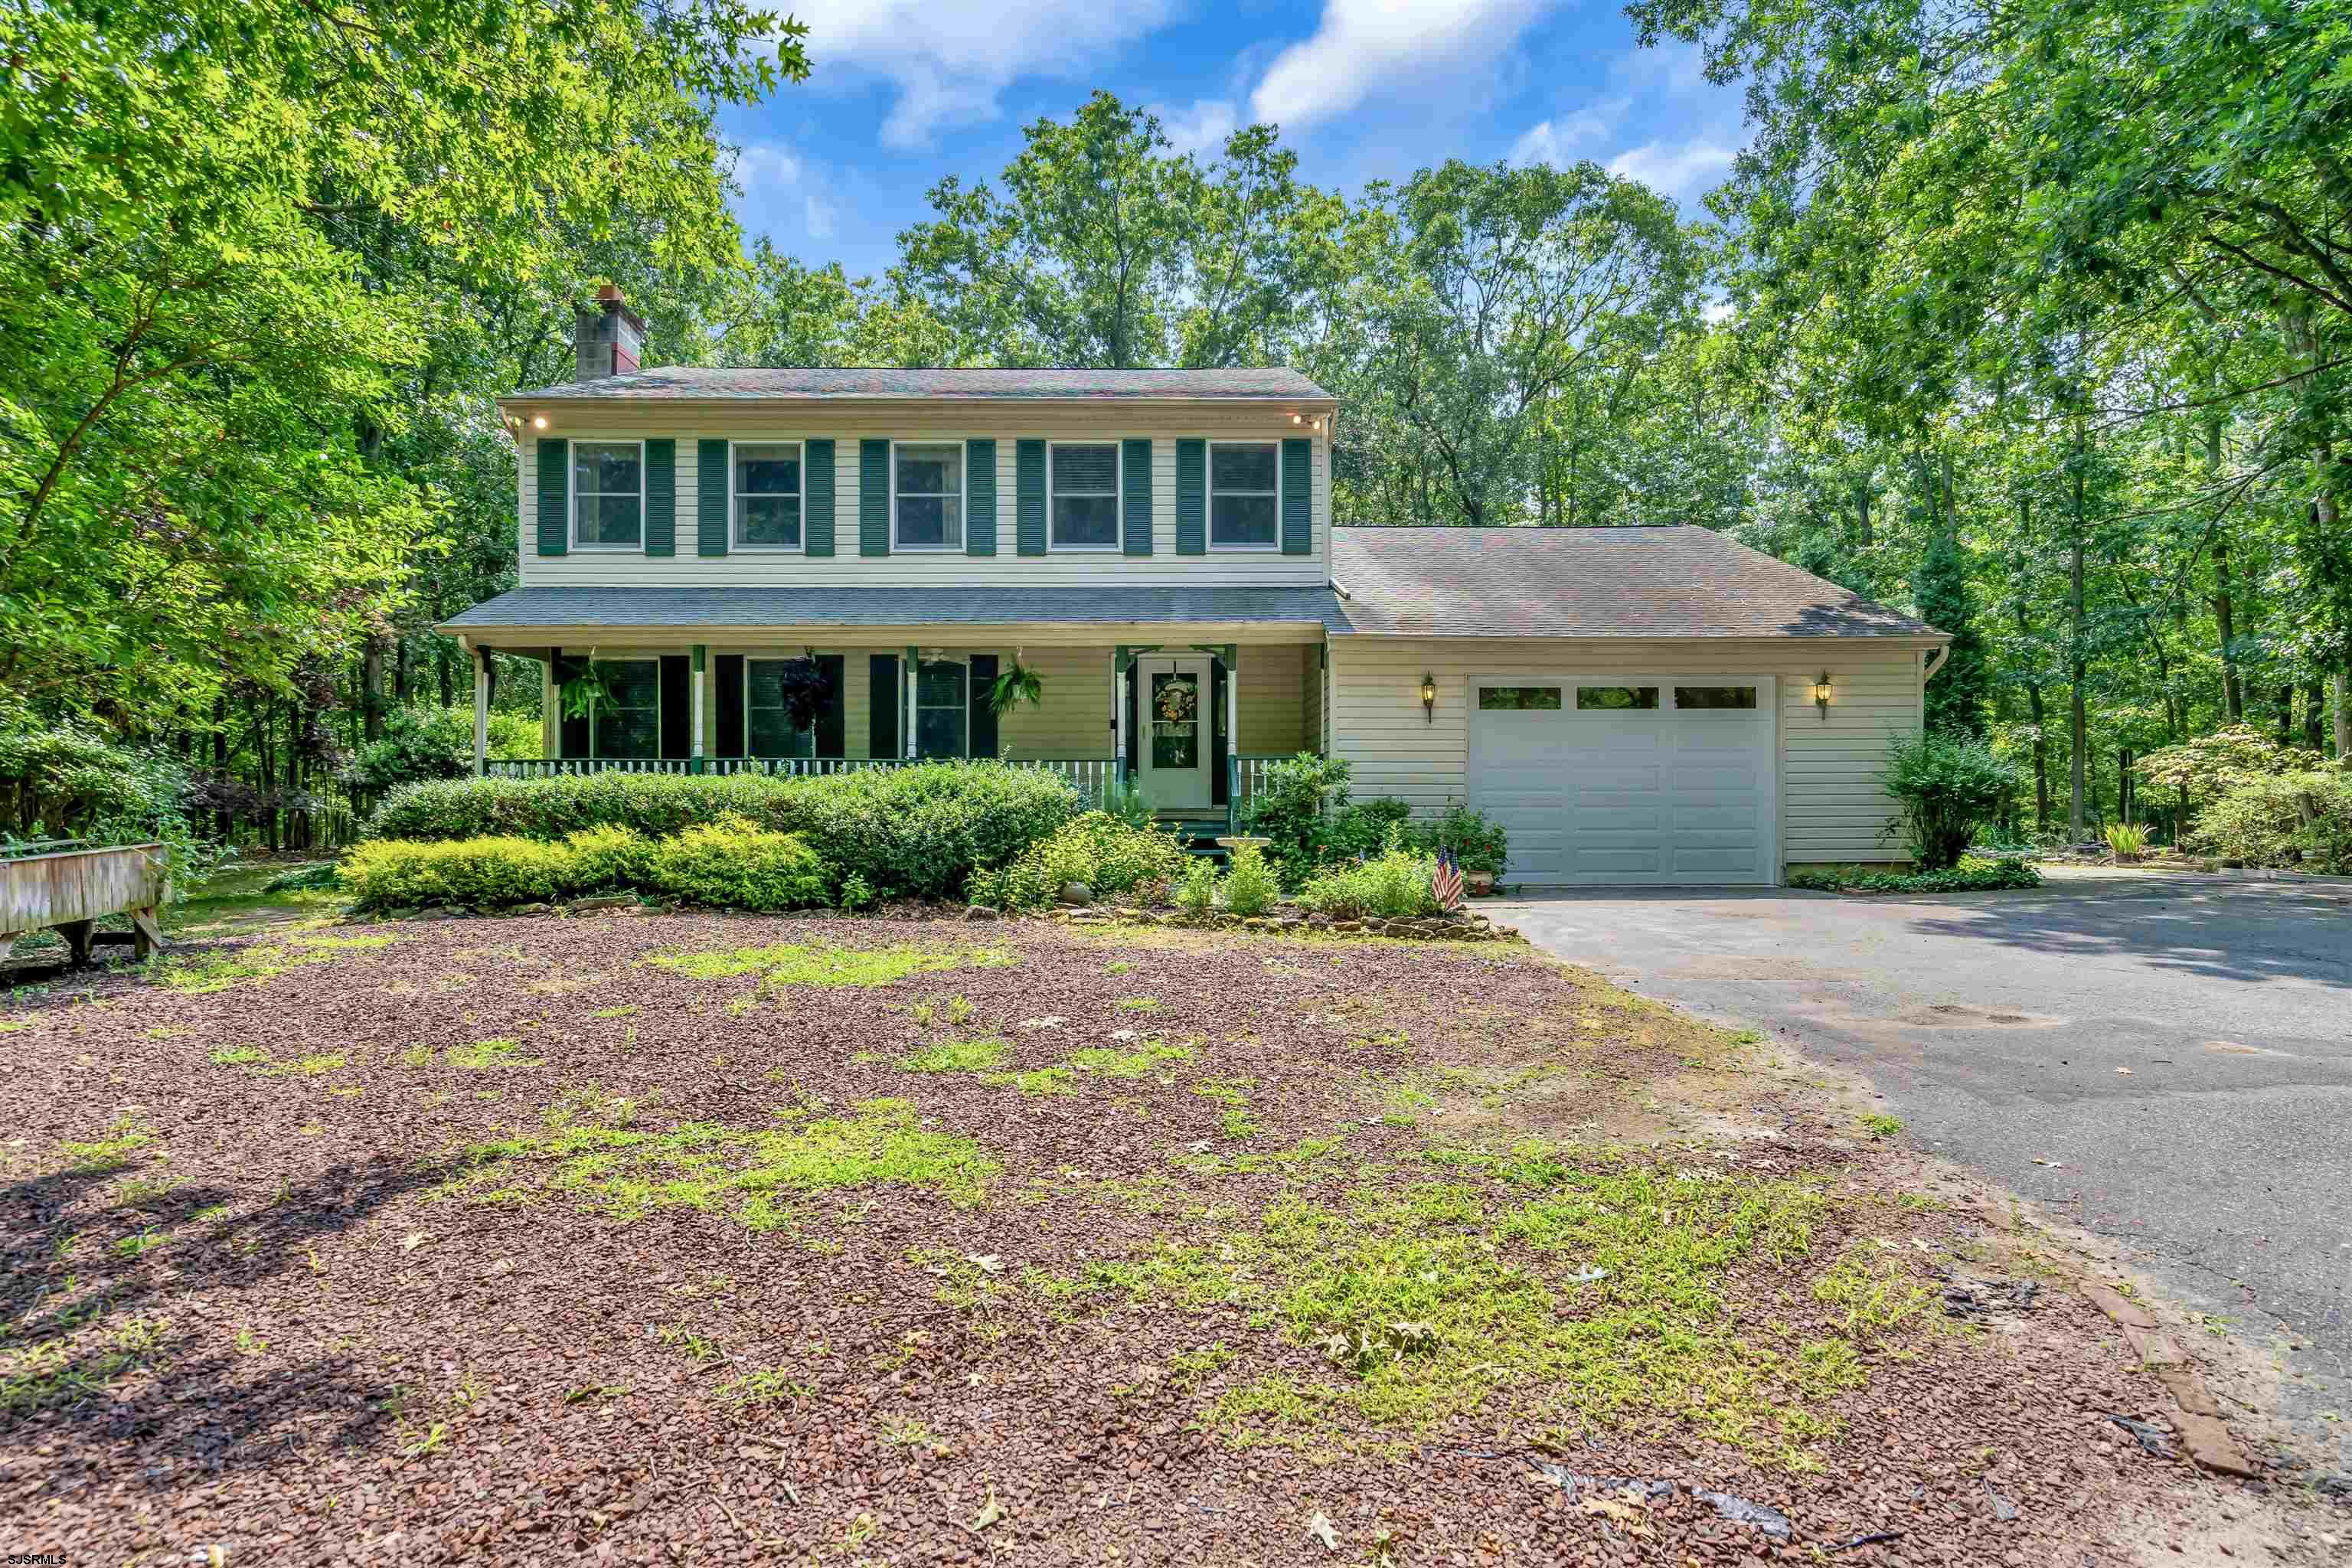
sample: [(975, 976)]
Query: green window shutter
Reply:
[(1191, 498), (883, 701), (661, 498), (1135, 496), (1029, 497), (874, 497), (817, 492), (711, 499), (1297, 497), (554, 496), (980, 498)]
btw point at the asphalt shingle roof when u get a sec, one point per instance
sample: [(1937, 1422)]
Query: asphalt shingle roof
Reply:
[(1677, 581), (850, 606), (690, 384)]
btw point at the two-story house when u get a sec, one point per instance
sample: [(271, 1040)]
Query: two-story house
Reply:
[(1649, 705)]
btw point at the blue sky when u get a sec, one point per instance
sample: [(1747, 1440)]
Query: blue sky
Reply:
[(904, 91)]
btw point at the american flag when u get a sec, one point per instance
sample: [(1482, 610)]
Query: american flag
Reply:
[(1446, 881)]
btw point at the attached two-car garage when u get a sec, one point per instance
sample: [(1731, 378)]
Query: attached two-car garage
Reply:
[(1628, 780)]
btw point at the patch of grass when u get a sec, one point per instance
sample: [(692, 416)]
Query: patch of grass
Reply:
[(311, 1066), (1136, 1063), (628, 1174), (1137, 1004), (109, 1153), (1118, 966), (907, 1434), (769, 1386), (218, 971), (1878, 1124), (493, 1053), (625, 1011), (1189, 1369), (1036, 1082), (798, 964), (982, 1055), (53, 1374), (236, 1055), (1878, 1295), (416, 1056)]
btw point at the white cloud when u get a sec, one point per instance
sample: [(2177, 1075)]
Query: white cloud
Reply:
[(1364, 47), (949, 58), (1676, 169), (1202, 128), (1562, 141), (764, 165), (816, 216)]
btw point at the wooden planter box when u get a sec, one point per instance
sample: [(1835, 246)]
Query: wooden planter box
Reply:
[(74, 888)]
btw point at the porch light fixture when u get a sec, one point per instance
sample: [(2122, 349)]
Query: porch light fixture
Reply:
[(1428, 698), (1822, 694), (539, 422)]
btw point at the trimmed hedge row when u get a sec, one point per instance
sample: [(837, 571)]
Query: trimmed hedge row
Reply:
[(1974, 874), (915, 831), (727, 863)]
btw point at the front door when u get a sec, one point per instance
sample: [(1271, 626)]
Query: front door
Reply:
[(1174, 708)]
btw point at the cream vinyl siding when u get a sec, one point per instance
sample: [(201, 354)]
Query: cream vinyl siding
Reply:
[(1272, 719), (847, 427), (1832, 806)]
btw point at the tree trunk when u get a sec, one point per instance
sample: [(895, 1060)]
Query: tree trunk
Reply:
[(443, 663), (400, 674), (371, 688), (2315, 715), (221, 826), (2040, 732), (2344, 710), (2233, 695), (2287, 714), (2078, 726)]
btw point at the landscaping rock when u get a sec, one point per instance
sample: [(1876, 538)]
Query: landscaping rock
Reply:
[(1076, 893), (604, 901), (437, 912), (533, 910), (982, 912)]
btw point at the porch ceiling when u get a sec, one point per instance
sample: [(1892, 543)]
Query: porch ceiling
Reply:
[(1102, 614)]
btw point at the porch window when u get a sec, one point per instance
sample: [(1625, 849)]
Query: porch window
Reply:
[(628, 723), (943, 708), (1083, 495), (767, 729), (927, 495), (1243, 509), (767, 477), (608, 494)]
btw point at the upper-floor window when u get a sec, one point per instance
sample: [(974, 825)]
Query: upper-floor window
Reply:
[(768, 729), (1082, 495), (767, 481), (927, 495), (1242, 494), (608, 493)]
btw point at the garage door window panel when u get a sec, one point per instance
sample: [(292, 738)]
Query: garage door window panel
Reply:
[(1518, 698), (1616, 698), (1693, 697)]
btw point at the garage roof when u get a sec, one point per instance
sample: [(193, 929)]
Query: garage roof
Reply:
[(1676, 582)]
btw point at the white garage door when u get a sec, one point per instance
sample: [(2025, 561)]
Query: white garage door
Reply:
[(1629, 780)]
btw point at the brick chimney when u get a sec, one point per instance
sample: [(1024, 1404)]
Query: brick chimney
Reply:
[(608, 337)]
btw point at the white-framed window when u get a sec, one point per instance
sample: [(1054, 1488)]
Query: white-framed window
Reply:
[(927, 495), (628, 723), (768, 730), (1499, 699), (764, 486), (942, 708), (608, 495), (1244, 495), (1082, 480)]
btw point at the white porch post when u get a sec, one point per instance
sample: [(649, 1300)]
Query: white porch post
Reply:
[(910, 676), (481, 712), (701, 679), (1121, 672)]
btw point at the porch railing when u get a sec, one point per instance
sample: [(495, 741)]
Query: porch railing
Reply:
[(1091, 776), (1249, 780)]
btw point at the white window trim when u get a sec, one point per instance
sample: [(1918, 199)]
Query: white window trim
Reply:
[(734, 539), (571, 493), (596, 718), (915, 704), (963, 489), (1209, 497), (1117, 497)]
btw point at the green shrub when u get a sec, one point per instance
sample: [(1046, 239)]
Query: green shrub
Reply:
[(609, 857), (732, 864), (434, 743), (66, 782), (489, 872), (1099, 849), (1196, 895), (910, 832), (1391, 885), (1974, 874), (2302, 819), (1947, 786), (1361, 829), (1250, 884), (1477, 841), (2214, 764), (1293, 806)]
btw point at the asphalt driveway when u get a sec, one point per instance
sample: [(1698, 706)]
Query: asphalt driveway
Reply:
[(2178, 1046)]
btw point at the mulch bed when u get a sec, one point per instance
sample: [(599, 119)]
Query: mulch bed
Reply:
[(296, 1350)]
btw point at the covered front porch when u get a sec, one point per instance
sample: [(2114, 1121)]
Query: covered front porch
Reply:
[(1190, 725)]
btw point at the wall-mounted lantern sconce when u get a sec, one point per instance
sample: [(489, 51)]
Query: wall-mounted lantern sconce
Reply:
[(1822, 694), (539, 422), (1428, 698)]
